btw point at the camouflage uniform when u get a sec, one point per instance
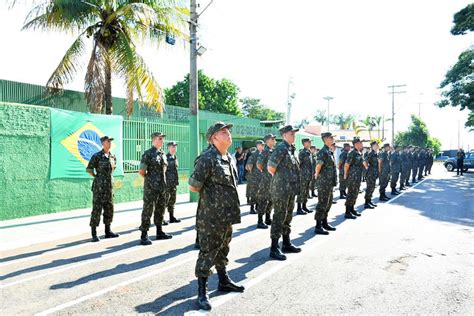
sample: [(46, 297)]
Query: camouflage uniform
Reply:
[(422, 160), (354, 176), (172, 182), (102, 192), (312, 185), (325, 182), (219, 209), (430, 162), (342, 161), (306, 174), (384, 175), (372, 172), (284, 187), (264, 205), (406, 168), (253, 178), (395, 169), (154, 196), (415, 159)]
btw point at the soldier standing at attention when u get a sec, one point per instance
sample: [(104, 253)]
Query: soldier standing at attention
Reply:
[(353, 174), (326, 178), (103, 163), (372, 166), (395, 168), (409, 165), (312, 185), (306, 174), (172, 180), (153, 168), (416, 160), (253, 176), (215, 178), (264, 206), (384, 171), (430, 161), (285, 185), (421, 163), (404, 167), (340, 166)]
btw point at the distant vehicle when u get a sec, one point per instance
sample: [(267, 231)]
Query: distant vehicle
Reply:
[(441, 158), (450, 163)]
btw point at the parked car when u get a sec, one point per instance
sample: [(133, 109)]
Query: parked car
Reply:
[(442, 158), (450, 163)]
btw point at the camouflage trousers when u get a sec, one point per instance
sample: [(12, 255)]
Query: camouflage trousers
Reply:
[(304, 191), (312, 184), (324, 202), (214, 242), (405, 175), (394, 179), (369, 190), (153, 204), (170, 198), (420, 171), (414, 172), (353, 186), (342, 182), (264, 206), (282, 216), (102, 200), (383, 181)]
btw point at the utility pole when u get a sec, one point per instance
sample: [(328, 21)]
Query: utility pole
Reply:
[(289, 101), (393, 92), (328, 98), (193, 94)]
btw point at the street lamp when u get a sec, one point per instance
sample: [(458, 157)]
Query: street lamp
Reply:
[(328, 98)]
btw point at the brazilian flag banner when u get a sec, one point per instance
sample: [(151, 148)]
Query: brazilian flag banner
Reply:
[(75, 137)]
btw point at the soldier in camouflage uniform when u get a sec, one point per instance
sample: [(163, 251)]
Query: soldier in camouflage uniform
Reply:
[(253, 176), (101, 167), (430, 162), (406, 167), (372, 166), (416, 160), (312, 185), (384, 171), (422, 163), (264, 206), (172, 180), (283, 165), (153, 168), (340, 166), (409, 165), (215, 178), (306, 174), (395, 169), (326, 178), (353, 174)]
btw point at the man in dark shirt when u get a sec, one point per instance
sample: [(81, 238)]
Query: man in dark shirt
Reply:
[(460, 155), (240, 158)]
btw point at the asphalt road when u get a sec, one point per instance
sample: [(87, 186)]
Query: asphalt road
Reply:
[(413, 255)]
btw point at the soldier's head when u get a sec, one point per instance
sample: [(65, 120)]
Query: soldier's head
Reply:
[(306, 143), (312, 149), (172, 146), (288, 133), (328, 138), (219, 135), (269, 139), (374, 145), (106, 143), (260, 145), (397, 148), (357, 143), (411, 148), (386, 147), (238, 149), (346, 147), (157, 139)]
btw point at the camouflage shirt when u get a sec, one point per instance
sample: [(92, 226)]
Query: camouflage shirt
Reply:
[(104, 166), (395, 162), (266, 177), (405, 157), (327, 175), (172, 177), (383, 156), (255, 174), (216, 176), (356, 165), (286, 180), (342, 160), (154, 163), (306, 164), (373, 164)]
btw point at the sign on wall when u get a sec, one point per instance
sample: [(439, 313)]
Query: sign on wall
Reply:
[(75, 137)]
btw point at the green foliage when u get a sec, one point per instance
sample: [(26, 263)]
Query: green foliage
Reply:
[(253, 108), (417, 135), (219, 96), (342, 120), (320, 116), (464, 21)]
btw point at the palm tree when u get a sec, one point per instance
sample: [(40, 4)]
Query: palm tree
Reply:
[(115, 28), (320, 117)]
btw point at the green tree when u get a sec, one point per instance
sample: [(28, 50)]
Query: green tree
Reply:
[(417, 135), (114, 28), (213, 95), (457, 88), (342, 120), (320, 117), (253, 108)]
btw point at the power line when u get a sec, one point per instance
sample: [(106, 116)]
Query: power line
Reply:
[(393, 92)]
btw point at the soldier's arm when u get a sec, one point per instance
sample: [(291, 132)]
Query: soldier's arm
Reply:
[(249, 164), (260, 161), (346, 170), (143, 164), (92, 165), (274, 160), (202, 170), (380, 165), (319, 164)]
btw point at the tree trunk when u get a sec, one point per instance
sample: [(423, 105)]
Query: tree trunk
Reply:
[(108, 88)]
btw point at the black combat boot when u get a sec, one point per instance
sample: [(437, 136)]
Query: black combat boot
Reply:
[(172, 218), (299, 210), (196, 243), (348, 213), (288, 247), (407, 184), (95, 238), (372, 203), (203, 299), (326, 225), (160, 234), (268, 220), (354, 212), (313, 193), (318, 230), (394, 192), (252, 209), (144, 240), (368, 205), (385, 196), (226, 284), (306, 209), (164, 223), (260, 223), (275, 251), (342, 194), (109, 233)]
